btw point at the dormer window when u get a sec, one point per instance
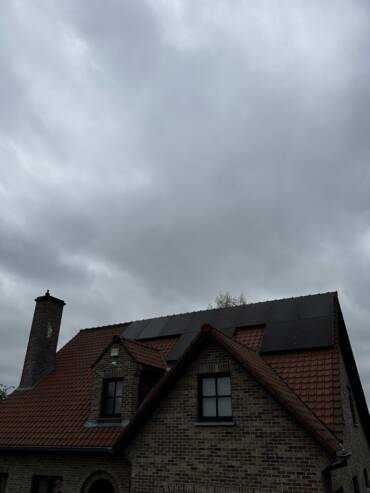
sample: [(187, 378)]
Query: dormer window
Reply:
[(215, 397), (112, 398)]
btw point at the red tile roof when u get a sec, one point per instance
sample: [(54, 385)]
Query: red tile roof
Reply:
[(313, 374), (163, 344), (55, 411), (274, 383), (58, 407), (144, 354)]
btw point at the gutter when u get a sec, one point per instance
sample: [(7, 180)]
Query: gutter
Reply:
[(340, 461), (38, 448)]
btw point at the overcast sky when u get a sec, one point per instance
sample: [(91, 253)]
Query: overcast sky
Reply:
[(156, 152)]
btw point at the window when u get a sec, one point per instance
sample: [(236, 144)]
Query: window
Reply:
[(3, 478), (366, 479), (112, 397), (46, 484), (352, 406), (356, 486), (215, 397)]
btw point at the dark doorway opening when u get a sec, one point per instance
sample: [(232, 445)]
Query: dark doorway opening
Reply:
[(101, 486)]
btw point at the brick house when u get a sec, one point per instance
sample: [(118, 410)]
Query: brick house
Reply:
[(263, 397)]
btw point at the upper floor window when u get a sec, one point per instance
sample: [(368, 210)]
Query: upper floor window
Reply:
[(3, 478), (215, 397), (46, 484), (112, 397)]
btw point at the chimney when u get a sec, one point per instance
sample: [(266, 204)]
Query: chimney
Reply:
[(42, 344)]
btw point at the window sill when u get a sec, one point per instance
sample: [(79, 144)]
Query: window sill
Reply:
[(214, 423), (106, 422)]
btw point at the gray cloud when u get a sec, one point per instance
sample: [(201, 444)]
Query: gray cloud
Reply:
[(155, 153)]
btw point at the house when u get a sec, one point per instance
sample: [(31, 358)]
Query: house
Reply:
[(264, 397)]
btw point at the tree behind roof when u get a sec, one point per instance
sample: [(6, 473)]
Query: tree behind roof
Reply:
[(4, 392), (225, 299)]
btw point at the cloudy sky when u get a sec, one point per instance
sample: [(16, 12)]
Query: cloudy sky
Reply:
[(154, 153)]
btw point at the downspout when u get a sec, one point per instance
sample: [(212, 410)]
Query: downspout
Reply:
[(339, 462)]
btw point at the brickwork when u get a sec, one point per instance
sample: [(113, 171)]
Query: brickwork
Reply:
[(42, 344), (264, 450), (77, 471), (354, 441)]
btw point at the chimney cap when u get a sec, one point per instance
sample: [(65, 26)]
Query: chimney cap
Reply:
[(47, 297)]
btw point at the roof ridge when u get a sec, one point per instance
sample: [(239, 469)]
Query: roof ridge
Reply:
[(210, 309), (99, 327)]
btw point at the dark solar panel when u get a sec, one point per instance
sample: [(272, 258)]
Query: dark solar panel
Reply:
[(155, 327), (298, 334), (286, 322), (177, 324), (134, 330), (317, 306)]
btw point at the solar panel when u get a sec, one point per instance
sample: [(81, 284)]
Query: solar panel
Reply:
[(134, 330), (298, 334), (317, 306), (155, 327), (294, 323)]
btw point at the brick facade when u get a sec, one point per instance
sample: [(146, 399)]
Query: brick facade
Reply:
[(42, 344), (264, 451), (354, 441), (77, 470)]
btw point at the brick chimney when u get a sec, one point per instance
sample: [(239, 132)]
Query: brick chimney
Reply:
[(42, 344)]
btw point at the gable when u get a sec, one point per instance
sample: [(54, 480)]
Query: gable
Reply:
[(174, 438), (260, 371)]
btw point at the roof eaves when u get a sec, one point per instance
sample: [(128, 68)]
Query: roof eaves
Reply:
[(47, 448)]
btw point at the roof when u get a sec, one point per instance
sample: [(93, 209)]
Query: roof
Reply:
[(141, 353), (255, 366), (53, 414), (58, 407)]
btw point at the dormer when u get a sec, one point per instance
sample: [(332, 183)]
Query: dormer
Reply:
[(123, 375)]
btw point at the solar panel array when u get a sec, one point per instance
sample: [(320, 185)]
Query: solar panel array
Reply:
[(294, 323)]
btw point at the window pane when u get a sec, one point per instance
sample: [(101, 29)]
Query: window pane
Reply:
[(209, 407), (111, 389), (119, 388), (224, 406), (117, 406), (223, 386), (209, 386), (108, 406)]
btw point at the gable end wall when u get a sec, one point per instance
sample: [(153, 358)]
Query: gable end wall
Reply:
[(266, 450)]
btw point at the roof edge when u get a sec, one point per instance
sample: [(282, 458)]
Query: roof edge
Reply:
[(47, 448)]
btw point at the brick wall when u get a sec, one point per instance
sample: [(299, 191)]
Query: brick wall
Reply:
[(264, 451), (354, 441), (76, 470)]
